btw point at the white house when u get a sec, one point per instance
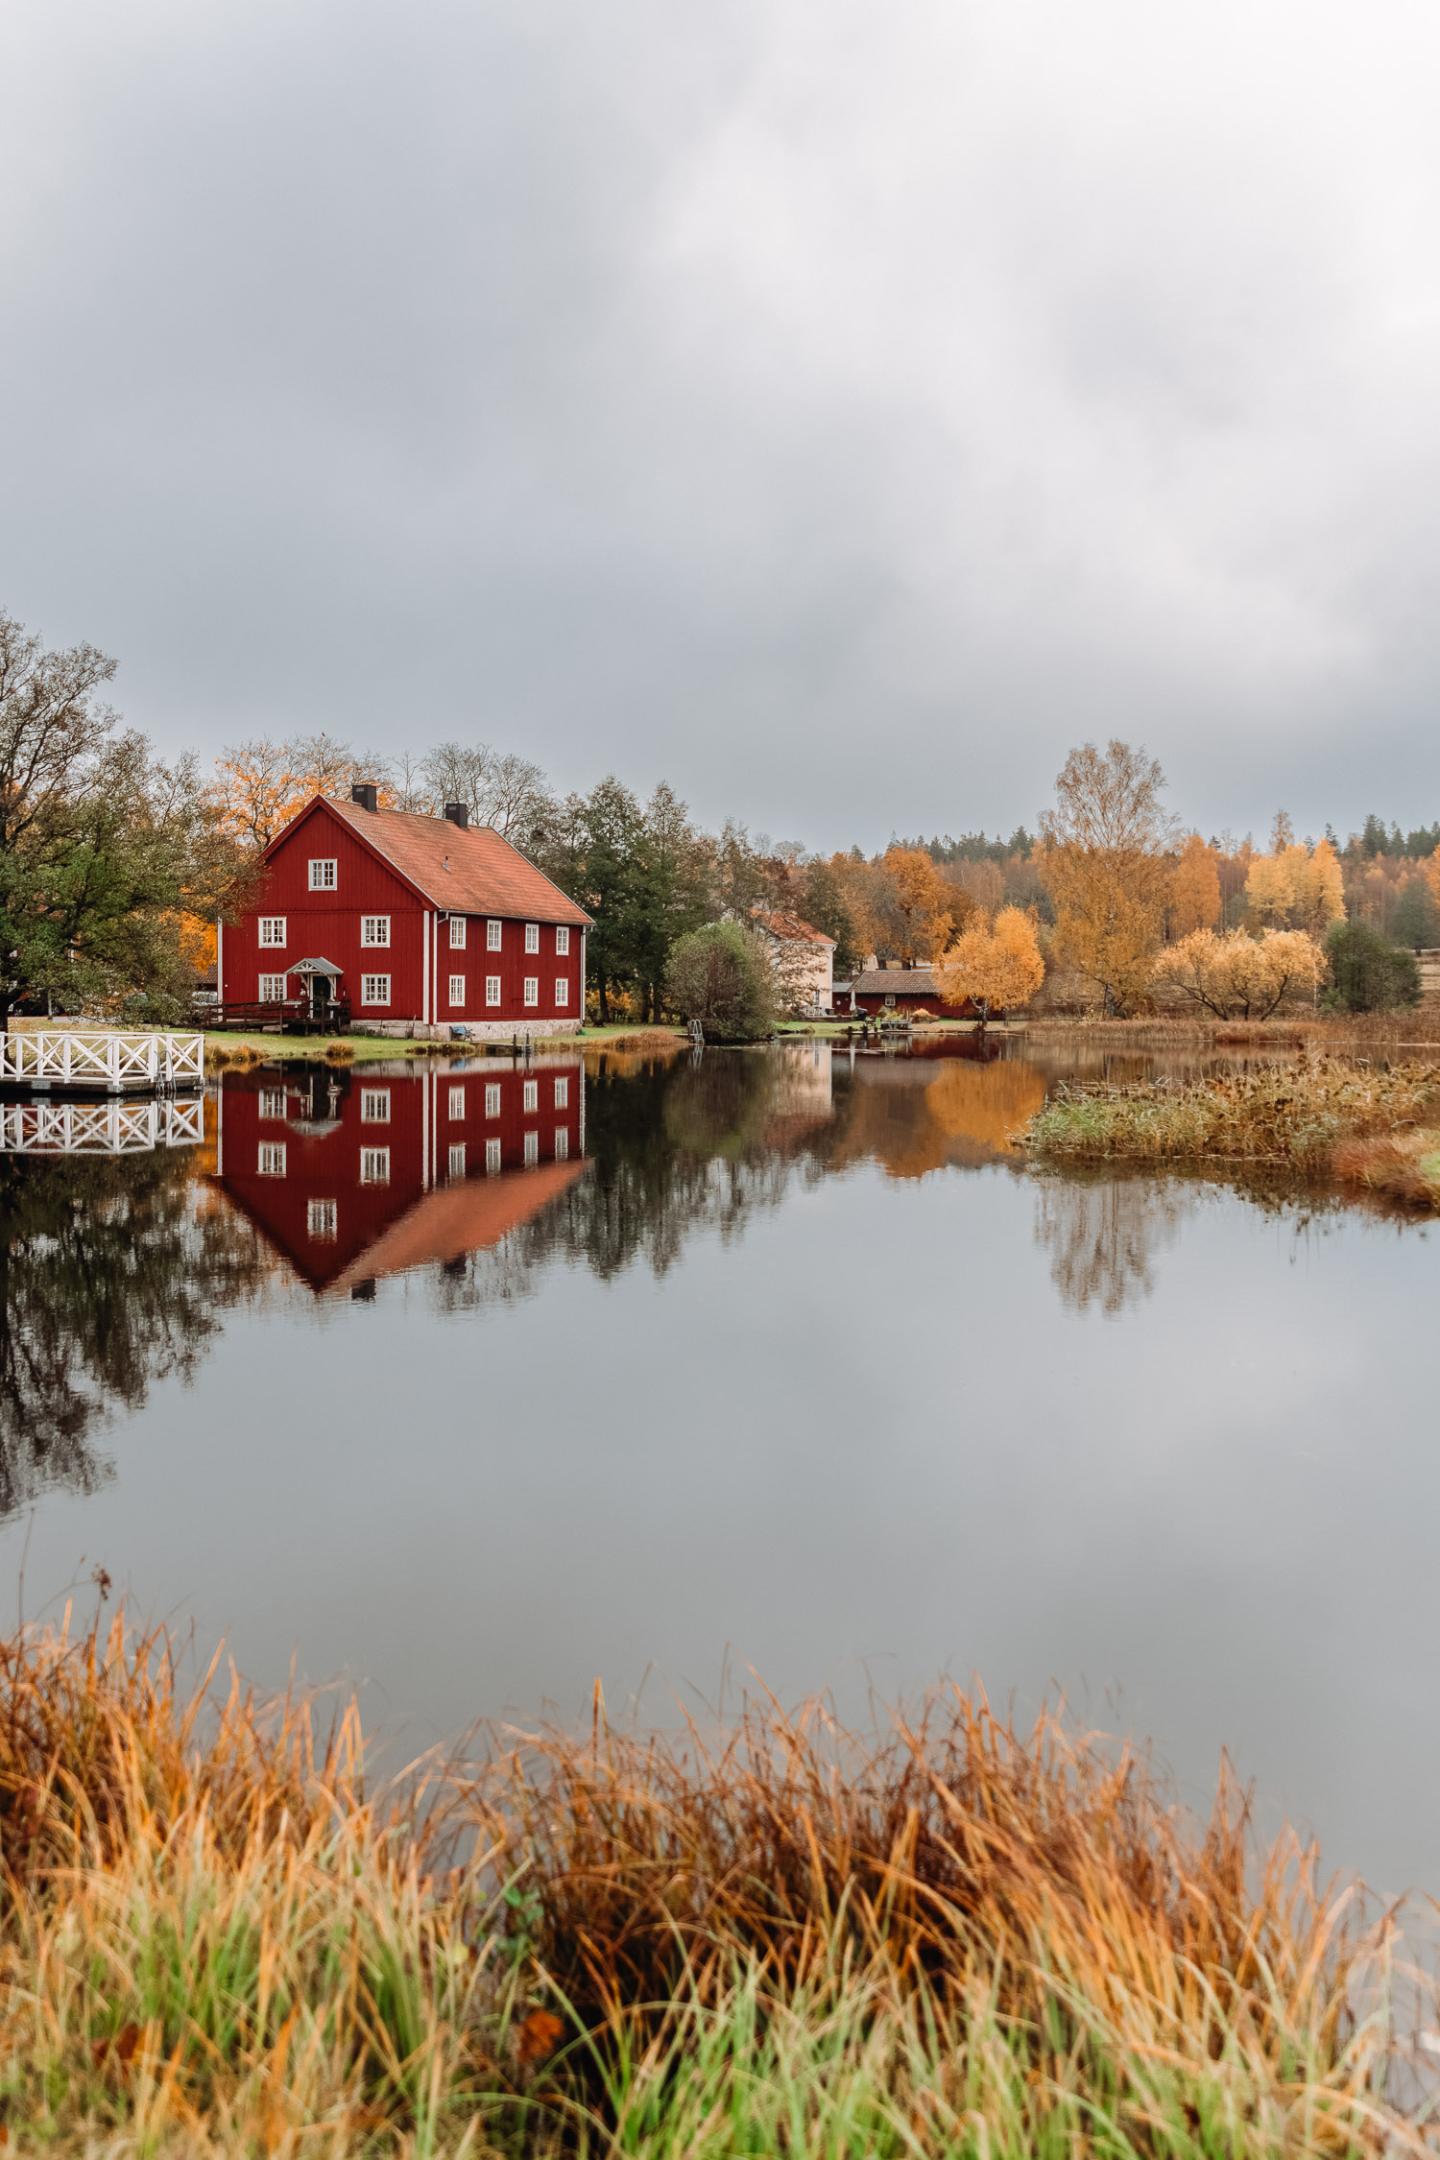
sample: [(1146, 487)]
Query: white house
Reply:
[(803, 959)]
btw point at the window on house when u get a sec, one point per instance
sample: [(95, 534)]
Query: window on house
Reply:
[(562, 1094), (272, 1102), (272, 929), (457, 933), (457, 1102), (492, 936), (532, 1095), (374, 1106), (375, 930), (374, 1165), (324, 873), (322, 1218), (492, 1157), (270, 1161), (532, 990), (562, 989), (457, 989), (532, 937), (375, 989), (562, 1144), (562, 938), (492, 989), (492, 1099), (272, 989), (532, 1148), (456, 1159)]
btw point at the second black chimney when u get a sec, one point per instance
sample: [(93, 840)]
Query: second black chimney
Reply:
[(458, 813), (366, 794)]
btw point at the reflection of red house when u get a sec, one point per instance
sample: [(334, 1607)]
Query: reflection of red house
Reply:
[(355, 1174), (905, 990)]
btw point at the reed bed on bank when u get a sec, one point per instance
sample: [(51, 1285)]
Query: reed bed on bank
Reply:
[(1309, 1115), (958, 1938)]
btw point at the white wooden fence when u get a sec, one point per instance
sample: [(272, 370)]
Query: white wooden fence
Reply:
[(100, 1128), (108, 1061)]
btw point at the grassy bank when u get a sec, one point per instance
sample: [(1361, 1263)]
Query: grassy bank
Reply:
[(1418, 1031), (1376, 1125), (956, 1939), (237, 1047)]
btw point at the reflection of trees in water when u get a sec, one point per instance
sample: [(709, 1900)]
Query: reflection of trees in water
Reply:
[(1103, 1234), (112, 1276)]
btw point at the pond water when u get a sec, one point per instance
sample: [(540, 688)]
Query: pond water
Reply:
[(472, 1385)]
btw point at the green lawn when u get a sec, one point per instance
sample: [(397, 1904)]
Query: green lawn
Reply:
[(393, 1046)]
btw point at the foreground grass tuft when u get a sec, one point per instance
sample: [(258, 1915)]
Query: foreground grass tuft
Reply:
[(958, 1939)]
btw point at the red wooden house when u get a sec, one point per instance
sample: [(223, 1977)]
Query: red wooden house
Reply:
[(356, 1173), (406, 922), (904, 992)]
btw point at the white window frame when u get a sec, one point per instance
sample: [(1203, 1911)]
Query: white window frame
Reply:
[(492, 1157), (494, 932), (532, 990), (375, 1106), (457, 1102), (532, 937), (322, 1219), (562, 1144), (530, 1098), (455, 1160), (374, 1166), (457, 990), (492, 1098), (324, 873), (270, 1159), (272, 932), (532, 1149), (562, 1092), (458, 928), (268, 992), (562, 939), (492, 989), (375, 931), (562, 989), (272, 1102), (372, 997)]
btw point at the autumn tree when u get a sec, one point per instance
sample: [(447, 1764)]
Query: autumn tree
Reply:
[(1195, 901), (1105, 860), (1296, 888), (106, 854), (916, 904), (260, 784), (995, 963), (1236, 976)]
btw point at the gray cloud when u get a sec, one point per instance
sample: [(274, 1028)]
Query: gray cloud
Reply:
[(836, 408)]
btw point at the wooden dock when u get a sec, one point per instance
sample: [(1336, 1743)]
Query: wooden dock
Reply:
[(102, 1061)]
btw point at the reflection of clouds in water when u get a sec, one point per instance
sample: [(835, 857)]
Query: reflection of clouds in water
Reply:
[(1103, 1235)]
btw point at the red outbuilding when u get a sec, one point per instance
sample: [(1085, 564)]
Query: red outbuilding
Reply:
[(394, 922), (906, 992)]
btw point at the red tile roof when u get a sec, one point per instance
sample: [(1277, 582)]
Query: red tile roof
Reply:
[(468, 870), (789, 928)]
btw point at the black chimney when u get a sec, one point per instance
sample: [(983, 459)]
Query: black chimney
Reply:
[(458, 813), (366, 794)]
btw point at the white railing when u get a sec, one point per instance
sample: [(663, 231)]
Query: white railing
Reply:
[(106, 1060), (101, 1128)]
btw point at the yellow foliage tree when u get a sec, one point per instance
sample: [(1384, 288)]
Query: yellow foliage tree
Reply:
[(996, 965), (260, 785), (1297, 888), (1237, 976), (915, 904), (1105, 863), (1195, 903)]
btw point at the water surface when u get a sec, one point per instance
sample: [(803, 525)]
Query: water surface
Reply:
[(776, 1360)]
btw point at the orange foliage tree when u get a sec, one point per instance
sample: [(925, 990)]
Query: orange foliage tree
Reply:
[(260, 785), (1296, 888), (995, 964), (1195, 902), (915, 904), (1105, 860)]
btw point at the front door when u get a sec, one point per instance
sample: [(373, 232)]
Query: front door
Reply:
[(322, 990)]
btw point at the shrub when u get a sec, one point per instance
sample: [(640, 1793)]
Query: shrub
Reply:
[(721, 976), (1369, 973)]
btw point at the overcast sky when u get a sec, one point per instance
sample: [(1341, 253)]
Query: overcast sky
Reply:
[(836, 409)]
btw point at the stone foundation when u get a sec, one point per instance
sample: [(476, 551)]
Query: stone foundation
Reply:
[(475, 1030)]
